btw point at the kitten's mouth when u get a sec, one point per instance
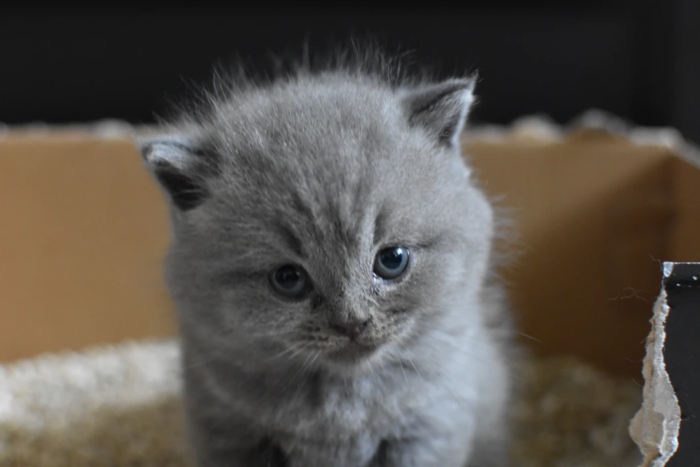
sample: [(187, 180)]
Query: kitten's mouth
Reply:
[(352, 351)]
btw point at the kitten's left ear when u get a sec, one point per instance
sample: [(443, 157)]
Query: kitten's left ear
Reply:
[(441, 108)]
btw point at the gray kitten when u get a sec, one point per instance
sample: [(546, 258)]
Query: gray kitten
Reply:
[(330, 264)]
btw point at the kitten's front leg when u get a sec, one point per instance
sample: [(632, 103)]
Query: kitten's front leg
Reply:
[(419, 453), (263, 455), (427, 445), (229, 444), (450, 451)]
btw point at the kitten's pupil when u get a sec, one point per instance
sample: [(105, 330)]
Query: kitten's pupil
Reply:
[(287, 277), (391, 258), (289, 281), (391, 262)]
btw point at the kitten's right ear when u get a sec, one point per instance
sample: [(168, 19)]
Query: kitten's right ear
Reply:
[(179, 164)]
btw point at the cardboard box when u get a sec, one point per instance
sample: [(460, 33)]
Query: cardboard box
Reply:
[(83, 233), (597, 207)]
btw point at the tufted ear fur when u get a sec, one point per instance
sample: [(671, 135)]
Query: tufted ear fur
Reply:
[(180, 165), (441, 108)]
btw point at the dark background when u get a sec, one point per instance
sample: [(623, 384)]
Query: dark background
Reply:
[(637, 59)]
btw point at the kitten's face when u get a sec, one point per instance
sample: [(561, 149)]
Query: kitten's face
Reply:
[(334, 225)]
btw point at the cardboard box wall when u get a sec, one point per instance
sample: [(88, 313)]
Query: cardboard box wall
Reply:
[(83, 231)]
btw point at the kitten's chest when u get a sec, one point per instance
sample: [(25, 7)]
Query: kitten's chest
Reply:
[(336, 425), (338, 409), (354, 451)]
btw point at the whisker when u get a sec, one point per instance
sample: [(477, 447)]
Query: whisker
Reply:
[(403, 370), (273, 334), (529, 337), (413, 364), (200, 363), (285, 351)]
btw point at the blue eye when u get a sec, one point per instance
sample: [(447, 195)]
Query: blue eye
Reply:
[(289, 281), (391, 262)]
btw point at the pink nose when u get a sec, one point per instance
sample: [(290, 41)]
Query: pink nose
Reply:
[(352, 329)]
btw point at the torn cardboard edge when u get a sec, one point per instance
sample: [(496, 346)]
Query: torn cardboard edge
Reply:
[(656, 425), (532, 128), (100, 129), (681, 354), (542, 129), (668, 394)]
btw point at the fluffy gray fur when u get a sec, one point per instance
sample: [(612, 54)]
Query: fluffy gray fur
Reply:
[(323, 170)]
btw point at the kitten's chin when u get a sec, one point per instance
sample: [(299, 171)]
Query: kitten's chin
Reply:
[(353, 358)]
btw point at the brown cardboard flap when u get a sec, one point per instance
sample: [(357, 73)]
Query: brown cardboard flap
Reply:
[(83, 230), (684, 244), (594, 216)]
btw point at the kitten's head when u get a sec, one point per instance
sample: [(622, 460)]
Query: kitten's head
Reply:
[(329, 215)]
